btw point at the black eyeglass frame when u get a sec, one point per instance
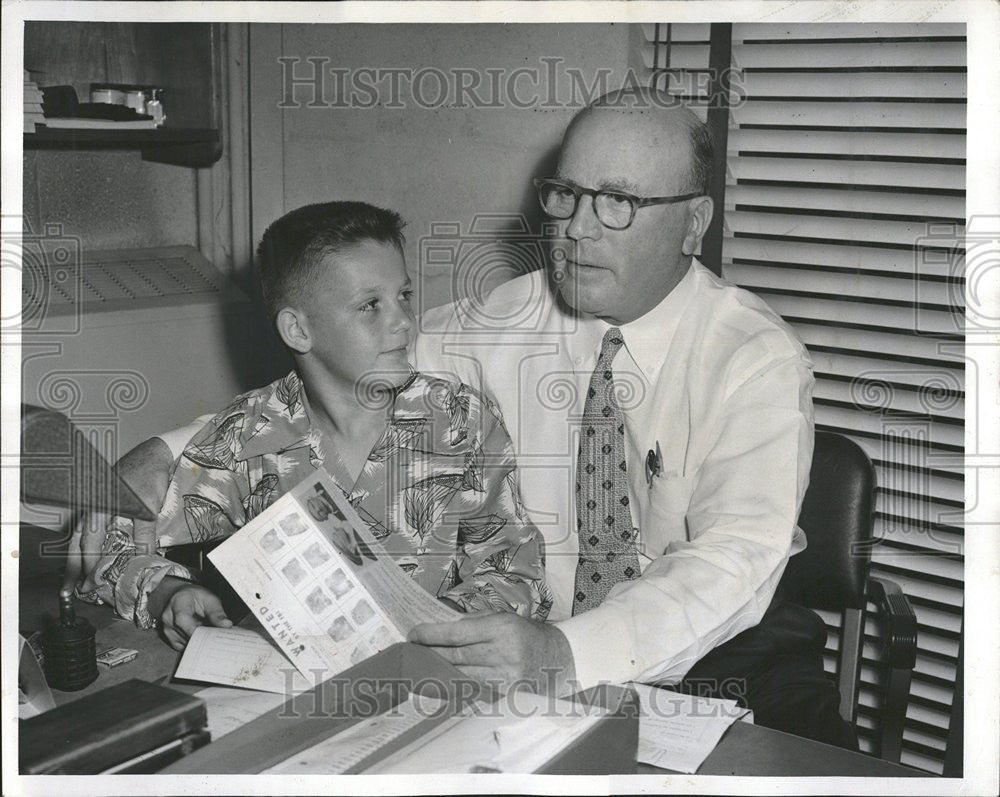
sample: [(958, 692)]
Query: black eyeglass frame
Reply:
[(635, 201)]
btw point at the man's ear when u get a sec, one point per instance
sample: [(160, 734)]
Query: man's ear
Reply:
[(293, 327), (698, 221)]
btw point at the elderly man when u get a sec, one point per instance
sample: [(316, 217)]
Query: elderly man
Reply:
[(663, 425)]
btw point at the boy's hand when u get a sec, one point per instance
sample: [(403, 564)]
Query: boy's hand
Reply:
[(182, 607)]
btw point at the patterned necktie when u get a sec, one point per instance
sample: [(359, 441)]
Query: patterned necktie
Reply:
[(603, 520)]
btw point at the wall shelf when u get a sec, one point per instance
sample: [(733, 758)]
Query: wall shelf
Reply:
[(183, 146)]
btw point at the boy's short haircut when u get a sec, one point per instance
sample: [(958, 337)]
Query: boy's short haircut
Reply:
[(294, 246)]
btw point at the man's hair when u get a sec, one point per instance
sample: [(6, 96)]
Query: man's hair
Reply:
[(700, 137), (294, 246)]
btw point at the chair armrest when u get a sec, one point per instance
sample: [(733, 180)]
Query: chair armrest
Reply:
[(900, 622)]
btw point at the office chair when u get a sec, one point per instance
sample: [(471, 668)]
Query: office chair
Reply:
[(832, 573)]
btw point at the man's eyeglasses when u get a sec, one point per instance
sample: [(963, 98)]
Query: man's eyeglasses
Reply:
[(614, 209)]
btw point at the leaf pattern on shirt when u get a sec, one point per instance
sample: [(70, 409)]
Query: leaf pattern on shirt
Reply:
[(451, 579), (424, 501), (457, 405), (472, 478), (219, 450), (408, 567), (492, 596), (206, 520), (376, 526), (401, 433), (260, 427), (261, 496), (544, 605), (288, 392), (498, 562), (475, 530), (515, 495)]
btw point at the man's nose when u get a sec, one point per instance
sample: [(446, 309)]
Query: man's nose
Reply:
[(584, 222)]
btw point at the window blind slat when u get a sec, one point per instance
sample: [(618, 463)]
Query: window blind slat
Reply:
[(853, 173), (858, 144), (940, 85), (839, 201), (884, 396), (842, 284), (847, 56), (922, 434), (771, 30), (930, 321), (849, 114), (839, 255), (901, 347), (898, 531)]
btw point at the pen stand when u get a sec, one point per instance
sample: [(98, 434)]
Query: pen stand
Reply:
[(70, 650)]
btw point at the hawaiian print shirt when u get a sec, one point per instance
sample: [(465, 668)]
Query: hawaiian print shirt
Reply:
[(439, 490)]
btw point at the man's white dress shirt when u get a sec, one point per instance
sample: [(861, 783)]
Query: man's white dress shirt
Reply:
[(714, 381)]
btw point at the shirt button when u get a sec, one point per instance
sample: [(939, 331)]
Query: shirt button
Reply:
[(578, 360)]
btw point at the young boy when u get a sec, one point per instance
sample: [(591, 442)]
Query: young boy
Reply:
[(427, 463)]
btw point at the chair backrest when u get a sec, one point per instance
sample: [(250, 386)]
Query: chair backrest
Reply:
[(836, 516)]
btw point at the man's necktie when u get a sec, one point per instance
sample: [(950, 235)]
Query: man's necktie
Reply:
[(603, 519)]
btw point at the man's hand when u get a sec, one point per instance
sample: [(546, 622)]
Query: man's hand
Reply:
[(504, 650), (182, 607)]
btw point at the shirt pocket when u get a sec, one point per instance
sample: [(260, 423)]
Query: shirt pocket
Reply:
[(665, 517)]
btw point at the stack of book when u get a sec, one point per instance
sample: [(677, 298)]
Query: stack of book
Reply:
[(32, 104)]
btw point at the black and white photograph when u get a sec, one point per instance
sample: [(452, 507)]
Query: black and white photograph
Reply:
[(710, 288)]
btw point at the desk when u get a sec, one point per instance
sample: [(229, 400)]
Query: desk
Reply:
[(38, 607), (745, 750)]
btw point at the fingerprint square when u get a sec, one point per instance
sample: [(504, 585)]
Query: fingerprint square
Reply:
[(270, 541), (318, 601), (292, 524), (316, 555), (294, 572), (340, 629), (338, 583), (362, 612)]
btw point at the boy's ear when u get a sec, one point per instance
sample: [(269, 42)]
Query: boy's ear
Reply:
[(293, 327)]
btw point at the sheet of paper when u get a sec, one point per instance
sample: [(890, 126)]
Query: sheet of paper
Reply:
[(239, 657), (320, 583), (519, 734), (230, 708), (341, 752), (678, 731)]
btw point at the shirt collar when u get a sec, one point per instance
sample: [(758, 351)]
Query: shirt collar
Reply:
[(276, 420), (649, 336)]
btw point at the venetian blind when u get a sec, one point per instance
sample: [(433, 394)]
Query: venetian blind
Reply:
[(844, 209)]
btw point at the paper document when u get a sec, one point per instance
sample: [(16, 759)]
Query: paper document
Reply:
[(678, 731), (323, 588), (519, 733), (347, 749), (229, 709), (239, 657)]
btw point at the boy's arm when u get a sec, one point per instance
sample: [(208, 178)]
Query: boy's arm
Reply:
[(501, 561), (202, 503)]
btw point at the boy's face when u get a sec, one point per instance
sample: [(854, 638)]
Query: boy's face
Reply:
[(360, 317)]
